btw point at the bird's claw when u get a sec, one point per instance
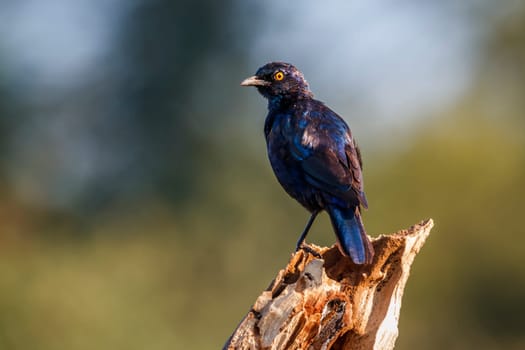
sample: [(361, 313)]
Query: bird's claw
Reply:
[(309, 250)]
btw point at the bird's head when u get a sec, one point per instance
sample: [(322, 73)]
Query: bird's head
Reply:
[(279, 80)]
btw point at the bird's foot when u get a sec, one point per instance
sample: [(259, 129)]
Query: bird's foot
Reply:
[(309, 250)]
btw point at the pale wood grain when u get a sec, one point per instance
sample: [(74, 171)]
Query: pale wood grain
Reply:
[(331, 303)]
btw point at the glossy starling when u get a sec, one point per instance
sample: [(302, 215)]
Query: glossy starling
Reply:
[(314, 156)]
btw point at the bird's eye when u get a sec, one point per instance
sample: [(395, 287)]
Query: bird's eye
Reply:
[(278, 76)]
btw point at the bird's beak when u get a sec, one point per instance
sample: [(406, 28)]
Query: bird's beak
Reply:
[(254, 81)]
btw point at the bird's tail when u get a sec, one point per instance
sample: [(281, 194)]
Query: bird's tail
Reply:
[(351, 235)]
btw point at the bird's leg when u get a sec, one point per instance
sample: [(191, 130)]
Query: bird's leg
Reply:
[(305, 232)]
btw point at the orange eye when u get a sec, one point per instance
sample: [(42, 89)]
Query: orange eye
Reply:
[(278, 76)]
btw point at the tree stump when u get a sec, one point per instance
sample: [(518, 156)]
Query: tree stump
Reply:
[(328, 302)]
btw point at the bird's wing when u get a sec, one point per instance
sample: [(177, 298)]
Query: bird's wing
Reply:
[(332, 162), (355, 164)]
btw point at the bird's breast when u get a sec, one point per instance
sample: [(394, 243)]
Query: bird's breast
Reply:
[(286, 152)]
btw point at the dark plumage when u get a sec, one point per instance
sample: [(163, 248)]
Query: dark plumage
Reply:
[(314, 156)]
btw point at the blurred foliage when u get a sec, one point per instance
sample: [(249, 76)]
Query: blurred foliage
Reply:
[(178, 265), (167, 54)]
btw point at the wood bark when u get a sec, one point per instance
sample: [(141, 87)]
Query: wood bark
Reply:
[(327, 302)]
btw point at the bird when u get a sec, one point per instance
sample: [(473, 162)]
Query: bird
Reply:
[(314, 157)]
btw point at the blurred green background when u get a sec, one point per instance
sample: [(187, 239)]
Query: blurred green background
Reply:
[(137, 206)]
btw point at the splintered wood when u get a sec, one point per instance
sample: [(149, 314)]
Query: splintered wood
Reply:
[(331, 303)]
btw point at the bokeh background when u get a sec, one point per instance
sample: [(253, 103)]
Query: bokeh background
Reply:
[(138, 209)]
